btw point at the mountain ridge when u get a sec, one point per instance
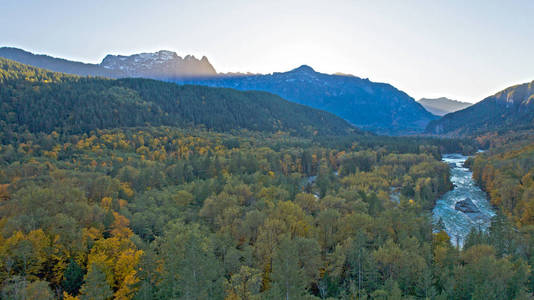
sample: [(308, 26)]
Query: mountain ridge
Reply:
[(374, 106), (509, 109), (443, 105), (163, 64)]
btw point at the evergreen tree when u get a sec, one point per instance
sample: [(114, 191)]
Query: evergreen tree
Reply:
[(289, 278), (95, 287), (72, 278)]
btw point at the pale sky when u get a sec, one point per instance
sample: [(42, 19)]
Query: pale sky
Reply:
[(465, 50)]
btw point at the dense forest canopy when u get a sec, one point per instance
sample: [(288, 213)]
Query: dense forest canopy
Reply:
[(110, 190)]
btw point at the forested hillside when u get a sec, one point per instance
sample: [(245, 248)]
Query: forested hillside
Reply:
[(373, 106), (507, 174), (506, 112), (41, 101)]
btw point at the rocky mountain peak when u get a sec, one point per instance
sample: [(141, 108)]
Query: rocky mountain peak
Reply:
[(303, 69), (160, 64)]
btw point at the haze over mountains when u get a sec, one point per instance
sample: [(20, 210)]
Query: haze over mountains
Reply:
[(442, 106), (510, 109), (378, 107)]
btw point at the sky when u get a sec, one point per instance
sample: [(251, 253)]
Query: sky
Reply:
[(464, 50)]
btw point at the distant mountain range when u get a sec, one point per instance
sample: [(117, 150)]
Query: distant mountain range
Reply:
[(378, 107), (162, 65), (37, 100), (442, 106), (510, 109)]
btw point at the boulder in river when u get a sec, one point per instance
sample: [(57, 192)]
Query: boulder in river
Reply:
[(467, 206)]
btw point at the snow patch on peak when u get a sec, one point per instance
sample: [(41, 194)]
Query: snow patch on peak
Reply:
[(163, 63), (167, 55)]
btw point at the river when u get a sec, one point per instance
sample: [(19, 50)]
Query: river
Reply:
[(457, 223)]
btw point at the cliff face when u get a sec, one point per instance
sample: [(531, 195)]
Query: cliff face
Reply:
[(162, 64)]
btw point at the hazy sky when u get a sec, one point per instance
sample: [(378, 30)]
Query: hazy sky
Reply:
[(460, 49)]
